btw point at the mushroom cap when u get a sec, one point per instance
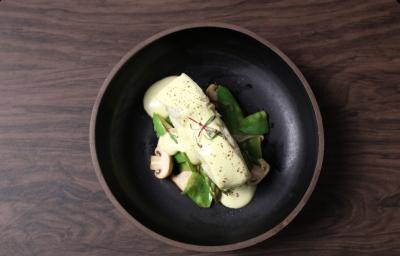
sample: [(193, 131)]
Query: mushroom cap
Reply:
[(258, 172), (211, 92), (161, 163)]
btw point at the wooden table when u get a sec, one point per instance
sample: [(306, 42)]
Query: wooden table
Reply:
[(54, 56)]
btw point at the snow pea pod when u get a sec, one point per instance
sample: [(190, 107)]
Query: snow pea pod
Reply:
[(252, 148), (184, 162), (229, 109), (161, 127), (198, 190), (214, 190), (254, 124), (180, 157)]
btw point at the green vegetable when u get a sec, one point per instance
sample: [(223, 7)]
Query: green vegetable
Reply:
[(184, 167), (249, 162), (162, 126), (192, 167), (159, 125), (198, 190), (180, 157), (168, 120), (254, 124), (253, 146), (214, 190), (251, 149), (229, 109)]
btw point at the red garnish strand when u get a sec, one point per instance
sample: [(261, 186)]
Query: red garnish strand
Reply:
[(199, 123), (203, 127), (207, 123), (194, 120)]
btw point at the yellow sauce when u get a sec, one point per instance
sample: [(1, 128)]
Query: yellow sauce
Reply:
[(151, 103), (239, 196), (183, 101)]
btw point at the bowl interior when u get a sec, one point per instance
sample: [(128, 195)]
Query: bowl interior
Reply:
[(260, 79)]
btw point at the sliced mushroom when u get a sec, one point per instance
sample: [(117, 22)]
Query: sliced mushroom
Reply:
[(182, 179), (211, 106), (211, 92), (258, 172), (161, 163)]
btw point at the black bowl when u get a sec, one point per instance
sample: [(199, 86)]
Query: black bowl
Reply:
[(261, 77)]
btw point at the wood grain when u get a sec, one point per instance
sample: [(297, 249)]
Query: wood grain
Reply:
[(54, 56)]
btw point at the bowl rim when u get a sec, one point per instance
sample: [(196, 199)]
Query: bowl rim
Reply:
[(188, 246)]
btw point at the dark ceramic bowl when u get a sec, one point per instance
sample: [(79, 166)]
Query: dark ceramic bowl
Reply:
[(261, 77)]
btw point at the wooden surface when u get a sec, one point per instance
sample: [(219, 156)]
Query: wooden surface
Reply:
[(54, 56)]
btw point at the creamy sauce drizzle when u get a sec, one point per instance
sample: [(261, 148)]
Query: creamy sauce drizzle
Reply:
[(239, 196)]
